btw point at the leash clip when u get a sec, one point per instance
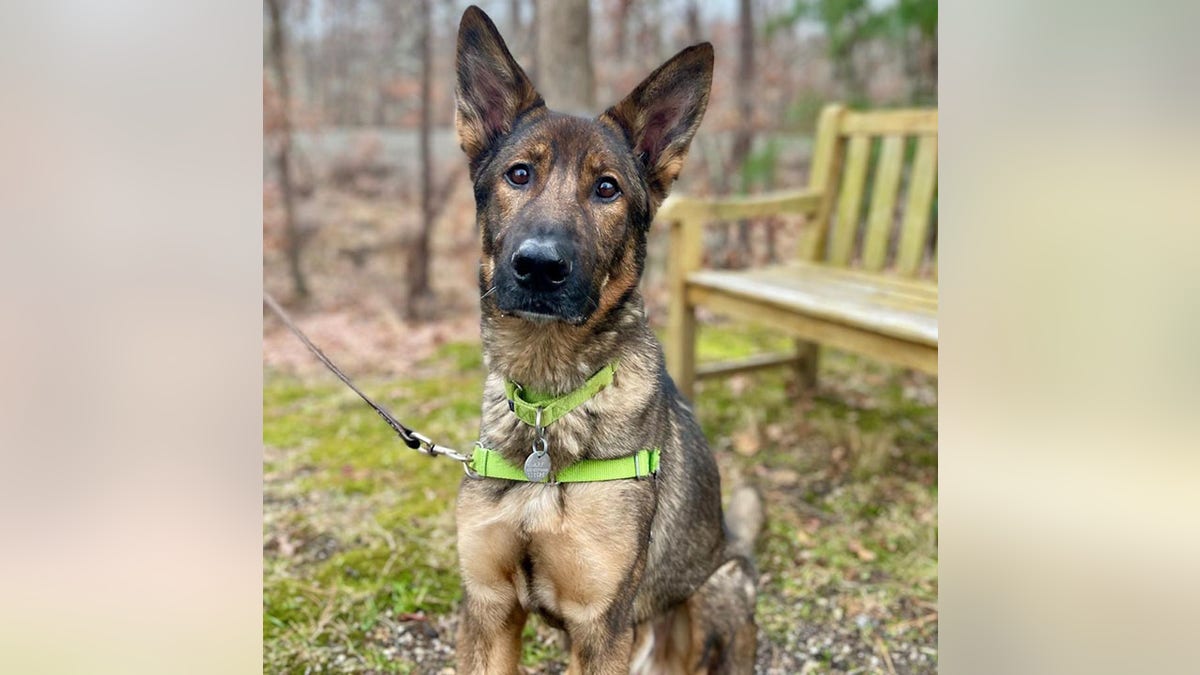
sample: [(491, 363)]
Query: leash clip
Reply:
[(469, 464), (537, 464)]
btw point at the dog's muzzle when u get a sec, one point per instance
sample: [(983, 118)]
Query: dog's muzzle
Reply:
[(539, 264), (543, 280)]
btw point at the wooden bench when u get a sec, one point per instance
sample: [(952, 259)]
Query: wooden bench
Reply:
[(864, 283)]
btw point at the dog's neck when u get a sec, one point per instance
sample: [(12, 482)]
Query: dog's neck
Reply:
[(555, 358)]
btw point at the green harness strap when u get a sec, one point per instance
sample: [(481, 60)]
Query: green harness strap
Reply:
[(540, 410), (525, 404), (491, 464)]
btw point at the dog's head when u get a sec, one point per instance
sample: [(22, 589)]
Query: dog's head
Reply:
[(563, 203)]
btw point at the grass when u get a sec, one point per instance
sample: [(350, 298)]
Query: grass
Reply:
[(360, 573)]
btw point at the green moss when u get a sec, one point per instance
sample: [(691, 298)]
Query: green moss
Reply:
[(465, 356), (286, 603), (380, 662), (733, 341), (540, 645), (432, 591), (351, 449)]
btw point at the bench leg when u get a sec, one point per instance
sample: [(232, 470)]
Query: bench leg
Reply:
[(687, 250), (808, 354), (681, 347)]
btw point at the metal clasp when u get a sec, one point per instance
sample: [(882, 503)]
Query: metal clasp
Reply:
[(469, 464), (541, 435)]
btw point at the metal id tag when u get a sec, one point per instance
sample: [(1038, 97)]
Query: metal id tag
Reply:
[(537, 466)]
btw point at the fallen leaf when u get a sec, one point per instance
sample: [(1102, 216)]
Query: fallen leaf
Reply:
[(864, 554), (774, 432), (287, 548), (746, 443), (785, 477)]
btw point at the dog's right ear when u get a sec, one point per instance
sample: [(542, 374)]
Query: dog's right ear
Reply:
[(492, 90)]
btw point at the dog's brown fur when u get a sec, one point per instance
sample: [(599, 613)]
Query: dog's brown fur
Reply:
[(641, 574)]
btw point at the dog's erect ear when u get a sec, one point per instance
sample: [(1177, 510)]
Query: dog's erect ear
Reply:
[(492, 89), (662, 114)]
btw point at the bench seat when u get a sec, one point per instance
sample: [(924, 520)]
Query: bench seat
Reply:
[(837, 306)]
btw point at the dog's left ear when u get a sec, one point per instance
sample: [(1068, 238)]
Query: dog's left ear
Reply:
[(492, 90), (662, 114)]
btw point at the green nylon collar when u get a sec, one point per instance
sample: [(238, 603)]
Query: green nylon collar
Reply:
[(525, 403), (491, 464)]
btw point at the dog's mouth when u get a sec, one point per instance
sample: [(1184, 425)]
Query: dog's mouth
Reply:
[(570, 302), (539, 317), (545, 316), (544, 309)]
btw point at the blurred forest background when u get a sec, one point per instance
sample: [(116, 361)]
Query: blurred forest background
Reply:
[(367, 205), (369, 239)]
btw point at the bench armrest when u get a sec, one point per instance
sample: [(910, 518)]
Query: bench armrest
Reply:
[(685, 216), (771, 203)]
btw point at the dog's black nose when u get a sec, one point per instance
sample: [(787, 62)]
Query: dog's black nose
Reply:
[(539, 264)]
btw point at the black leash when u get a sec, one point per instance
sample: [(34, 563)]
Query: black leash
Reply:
[(413, 439)]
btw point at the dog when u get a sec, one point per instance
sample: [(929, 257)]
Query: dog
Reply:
[(640, 569)]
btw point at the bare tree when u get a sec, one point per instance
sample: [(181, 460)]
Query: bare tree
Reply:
[(622, 27), (564, 56), (517, 36), (418, 261), (278, 53), (743, 138), (394, 21), (692, 19), (514, 14), (744, 84)]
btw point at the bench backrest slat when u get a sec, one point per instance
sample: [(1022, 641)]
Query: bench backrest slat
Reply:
[(826, 165), (858, 156), (883, 202), (917, 213), (854, 150)]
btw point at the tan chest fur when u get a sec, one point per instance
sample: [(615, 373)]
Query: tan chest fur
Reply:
[(564, 549)]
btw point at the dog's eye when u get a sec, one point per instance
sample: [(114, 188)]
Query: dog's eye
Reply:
[(519, 174), (607, 189)]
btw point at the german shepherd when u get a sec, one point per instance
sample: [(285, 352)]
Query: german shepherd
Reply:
[(643, 575)]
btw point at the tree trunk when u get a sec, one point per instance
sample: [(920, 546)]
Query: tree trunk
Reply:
[(278, 52), (744, 136), (692, 19), (930, 69), (531, 41), (418, 262), (514, 17), (622, 21), (520, 43), (564, 55)]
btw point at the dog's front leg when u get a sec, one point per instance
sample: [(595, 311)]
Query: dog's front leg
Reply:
[(489, 633), (600, 648), (492, 615)]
